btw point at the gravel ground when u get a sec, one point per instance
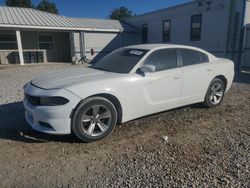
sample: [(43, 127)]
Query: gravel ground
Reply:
[(203, 147)]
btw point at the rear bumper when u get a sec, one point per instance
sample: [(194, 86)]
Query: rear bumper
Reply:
[(50, 119)]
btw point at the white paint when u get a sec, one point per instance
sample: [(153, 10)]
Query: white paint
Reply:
[(138, 95), (20, 48)]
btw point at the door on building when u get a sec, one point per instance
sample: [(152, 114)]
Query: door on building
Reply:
[(246, 58)]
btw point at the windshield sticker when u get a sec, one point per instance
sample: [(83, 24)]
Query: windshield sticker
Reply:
[(136, 52)]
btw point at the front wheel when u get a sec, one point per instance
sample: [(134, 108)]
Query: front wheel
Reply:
[(215, 93), (94, 119)]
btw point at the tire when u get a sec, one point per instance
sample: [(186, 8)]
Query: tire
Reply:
[(94, 119), (215, 93)]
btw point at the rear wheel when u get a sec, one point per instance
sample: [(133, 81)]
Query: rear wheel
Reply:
[(215, 93), (94, 119)]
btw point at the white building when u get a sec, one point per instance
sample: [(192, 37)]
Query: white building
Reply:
[(218, 26)]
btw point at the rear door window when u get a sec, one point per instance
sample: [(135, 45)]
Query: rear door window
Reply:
[(192, 57), (204, 57)]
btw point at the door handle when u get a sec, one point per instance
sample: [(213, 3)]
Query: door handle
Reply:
[(209, 70), (177, 77)]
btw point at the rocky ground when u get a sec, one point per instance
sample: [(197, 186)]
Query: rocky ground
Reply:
[(190, 147)]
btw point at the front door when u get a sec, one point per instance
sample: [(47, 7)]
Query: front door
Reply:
[(159, 90)]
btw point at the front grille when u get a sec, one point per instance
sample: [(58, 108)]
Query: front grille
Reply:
[(32, 100)]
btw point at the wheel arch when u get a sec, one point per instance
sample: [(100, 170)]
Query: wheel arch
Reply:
[(107, 96), (224, 79)]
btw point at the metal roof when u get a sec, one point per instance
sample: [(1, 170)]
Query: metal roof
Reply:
[(12, 17)]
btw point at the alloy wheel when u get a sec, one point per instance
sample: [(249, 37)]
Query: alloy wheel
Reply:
[(216, 93), (96, 120)]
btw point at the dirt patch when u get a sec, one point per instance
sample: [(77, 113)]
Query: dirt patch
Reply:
[(205, 147)]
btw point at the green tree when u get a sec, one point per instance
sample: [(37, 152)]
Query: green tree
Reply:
[(19, 3), (120, 13), (47, 6)]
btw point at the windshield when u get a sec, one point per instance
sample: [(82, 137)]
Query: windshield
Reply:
[(120, 61)]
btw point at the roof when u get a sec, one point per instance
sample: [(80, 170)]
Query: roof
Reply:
[(155, 46), (147, 46), (13, 17)]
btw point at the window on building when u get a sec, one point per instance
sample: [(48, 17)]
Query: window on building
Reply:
[(196, 22), (166, 31), (46, 41), (163, 59), (8, 41), (144, 33), (192, 57)]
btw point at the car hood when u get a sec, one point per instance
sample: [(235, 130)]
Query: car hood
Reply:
[(62, 79)]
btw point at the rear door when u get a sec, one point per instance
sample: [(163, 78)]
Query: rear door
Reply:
[(197, 73)]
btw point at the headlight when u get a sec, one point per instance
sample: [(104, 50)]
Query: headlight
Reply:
[(53, 101)]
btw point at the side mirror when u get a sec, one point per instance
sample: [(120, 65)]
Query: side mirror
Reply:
[(146, 69)]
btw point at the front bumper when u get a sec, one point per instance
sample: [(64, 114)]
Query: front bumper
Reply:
[(50, 119)]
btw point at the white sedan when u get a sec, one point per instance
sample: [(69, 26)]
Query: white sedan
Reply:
[(129, 83)]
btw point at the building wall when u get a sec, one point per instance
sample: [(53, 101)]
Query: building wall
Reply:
[(61, 52), (5, 55), (104, 43), (215, 24), (76, 44), (29, 40), (246, 55), (247, 15), (235, 30), (128, 39), (101, 43)]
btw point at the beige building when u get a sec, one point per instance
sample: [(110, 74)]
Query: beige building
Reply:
[(32, 36)]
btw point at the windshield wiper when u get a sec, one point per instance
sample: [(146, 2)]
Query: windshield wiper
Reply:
[(98, 68)]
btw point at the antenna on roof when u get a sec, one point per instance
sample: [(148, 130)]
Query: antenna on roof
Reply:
[(206, 3), (200, 2)]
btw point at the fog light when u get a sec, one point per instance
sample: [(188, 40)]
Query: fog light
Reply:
[(43, 124)]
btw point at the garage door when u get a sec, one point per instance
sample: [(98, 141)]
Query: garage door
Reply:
[(246, 60), (100, 43)]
